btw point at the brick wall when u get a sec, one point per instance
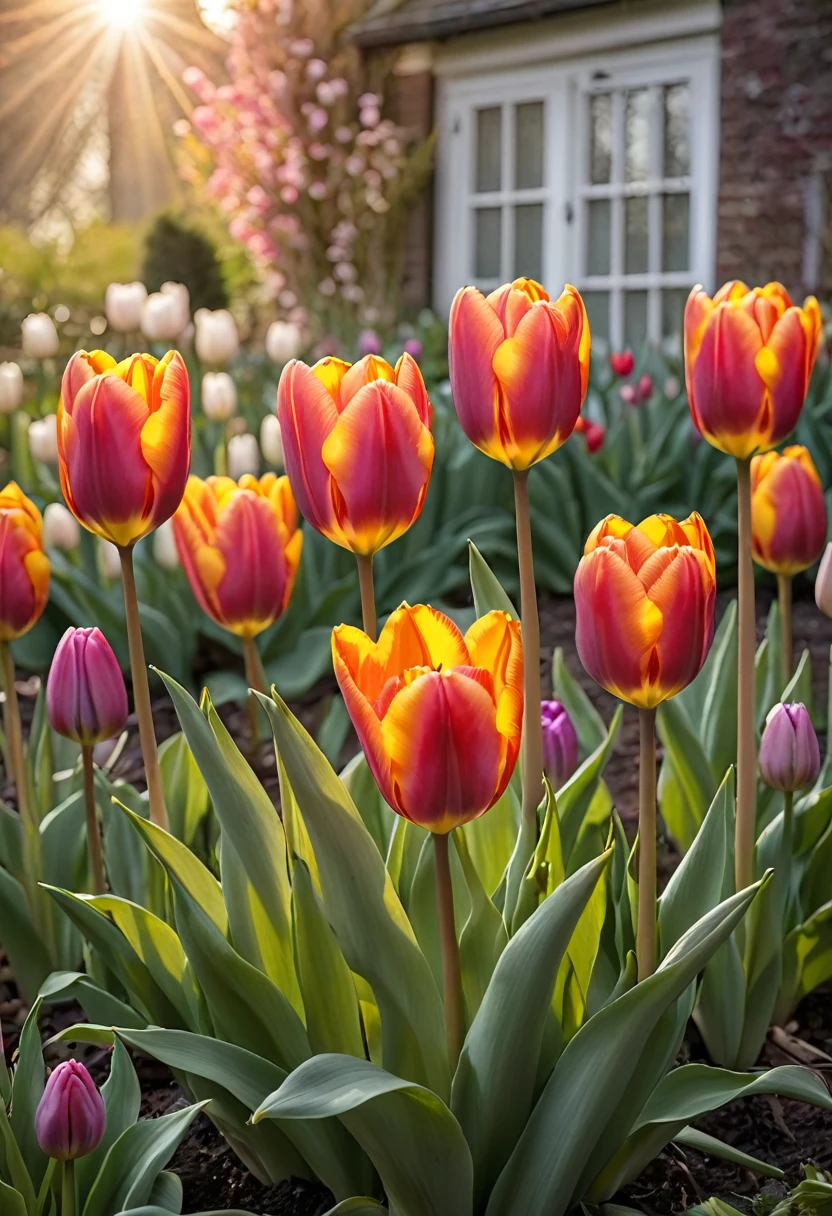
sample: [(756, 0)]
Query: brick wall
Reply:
[(775, 220)]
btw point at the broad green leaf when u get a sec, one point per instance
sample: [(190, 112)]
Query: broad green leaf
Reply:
[(408, 1133), (483, 937), (379, 818), (186, 794), (253, 827), (28, 1087), (807, 960), (98, 1005), (491, 839), (360, 1205), (488, 593), (587, 721), (493, 1090), (692, 1137), (122, 1101), (22, 941), (799, 687), (691, 768), (13, 1202), (363, 909), (16, 1169), (575, 797), (166, 1192), (566, 1127)]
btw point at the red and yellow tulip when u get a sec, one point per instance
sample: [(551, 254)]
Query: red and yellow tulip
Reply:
[(644, 600), (749, 355), (24, 567), (519, 366), (439, 715), (788, 511), (240, 546), (124, 442), (357, 446)]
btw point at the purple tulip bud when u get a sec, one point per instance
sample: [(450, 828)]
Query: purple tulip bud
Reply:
[(85, 695), (369, 343), (560, 743), (789, 752), (414, 348), (70, 1119)]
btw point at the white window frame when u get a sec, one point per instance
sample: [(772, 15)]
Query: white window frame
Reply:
[(575, 67)]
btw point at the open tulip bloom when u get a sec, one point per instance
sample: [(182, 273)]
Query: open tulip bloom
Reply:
[(359, 451), (749, 355), (644, 603)]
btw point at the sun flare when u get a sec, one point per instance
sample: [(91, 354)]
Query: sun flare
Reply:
[(122, 14)]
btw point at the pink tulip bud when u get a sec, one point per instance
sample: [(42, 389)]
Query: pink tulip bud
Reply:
[(70, 1119), (628, 394), (789, 752), (823, 583), (623, 363), (645, 387), (414, 348), (560, 743), (369, 343), (85, 695)]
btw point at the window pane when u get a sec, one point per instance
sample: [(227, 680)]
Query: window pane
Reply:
[(528, 241), (673, 312), (635, 318), (637, 156), (487, 234), (489, 151), (598, 235), (600, 138), (528, 145), (635, 248), (598, 313), (677, 130), (675, 231)]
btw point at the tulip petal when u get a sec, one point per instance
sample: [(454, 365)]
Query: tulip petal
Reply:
[(83, 366), (678, 587), (166, 436), (494, 644), (442, 722), (307, 413), (782, 366), (475, 333), (409, 380), (788, 511), (364, 718), (730, 401), (365, 371)]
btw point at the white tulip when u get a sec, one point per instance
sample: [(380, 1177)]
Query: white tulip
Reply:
[(219, 396), (11, 387), (61, 529), (40, 337), (166, 313), (43, 439), (243, 456), (164, 546), (271, 441), (216, 339), (123, 304), (109, 560), (284, 341)]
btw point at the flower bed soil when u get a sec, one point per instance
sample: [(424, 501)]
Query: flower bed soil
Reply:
[(782, 1132)]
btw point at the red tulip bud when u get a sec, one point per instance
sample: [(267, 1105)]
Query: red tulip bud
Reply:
[(595, 434), (70, 1119), (645, 388), (622, 363)]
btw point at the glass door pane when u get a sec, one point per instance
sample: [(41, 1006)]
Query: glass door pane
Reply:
[(528, 145), (487, 168)]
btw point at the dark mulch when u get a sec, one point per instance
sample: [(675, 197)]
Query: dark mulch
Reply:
[(785, 1133)]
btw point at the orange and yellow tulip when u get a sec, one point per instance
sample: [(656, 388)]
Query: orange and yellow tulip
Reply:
[(357, 446), (24, 567), (240, 546), (749, 355), (519, 365), (438, 715), (644, 600), (124, 442), (788, 511)]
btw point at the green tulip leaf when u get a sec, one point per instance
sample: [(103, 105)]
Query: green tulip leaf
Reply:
[(587, 721), (487, 590)]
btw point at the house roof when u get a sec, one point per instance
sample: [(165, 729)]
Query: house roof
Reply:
[(392, 22)]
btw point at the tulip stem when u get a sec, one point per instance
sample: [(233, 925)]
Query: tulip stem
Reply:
[(746, 744), (532, 728), (451, 971), (784, 599), (646, 930), (68, 1189), (141, 693), (256, 680), (368, 598), (99, 885)]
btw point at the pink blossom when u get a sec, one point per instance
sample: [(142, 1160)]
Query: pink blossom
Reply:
[(318, 190), (344, 135), (370, 116), (316, 69)]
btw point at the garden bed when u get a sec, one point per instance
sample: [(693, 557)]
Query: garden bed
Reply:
[(784, 1133)]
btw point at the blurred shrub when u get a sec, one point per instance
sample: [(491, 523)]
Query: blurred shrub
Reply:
[(176, 249)]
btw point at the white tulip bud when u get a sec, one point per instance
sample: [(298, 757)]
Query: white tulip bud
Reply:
[(271, 441), (109, 560), (39, 335), (219, 396), (61, 529), (164, 546), (123, 304), (11, 387), (284, 341), (43, 439), (166, 313), (243, 456), (216, 339)]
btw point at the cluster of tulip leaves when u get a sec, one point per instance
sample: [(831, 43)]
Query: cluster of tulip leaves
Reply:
[(785, 948), (300, 994), (126, 1173)]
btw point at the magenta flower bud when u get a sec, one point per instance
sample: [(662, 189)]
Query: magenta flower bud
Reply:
[(70, 1119), (369, 343), (414, 348), (789, 752), (85, 695), (560, 743)]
